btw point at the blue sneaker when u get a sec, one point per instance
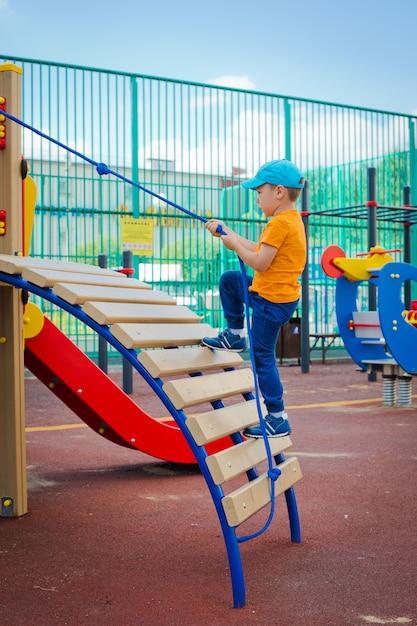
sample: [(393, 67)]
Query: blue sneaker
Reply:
[(225, 341), (274, 426)]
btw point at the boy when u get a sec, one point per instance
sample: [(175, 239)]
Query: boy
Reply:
[(277, 259)]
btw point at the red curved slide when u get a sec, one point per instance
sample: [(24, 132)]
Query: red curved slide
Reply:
[(98, 401)]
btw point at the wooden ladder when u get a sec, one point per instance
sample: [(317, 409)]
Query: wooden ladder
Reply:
[(209, 394)]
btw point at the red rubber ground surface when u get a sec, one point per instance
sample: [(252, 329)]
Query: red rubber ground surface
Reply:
[(114, 537)]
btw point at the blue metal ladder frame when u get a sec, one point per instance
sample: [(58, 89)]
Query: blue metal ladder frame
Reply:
[(229, 533)]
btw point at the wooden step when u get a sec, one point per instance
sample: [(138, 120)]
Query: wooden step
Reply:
[(14, 265), (106, 313), (48, 278), (236, 460), (182, 360), (161, 335), (189, 391), (253, 496), (79, 294), (215, 424)]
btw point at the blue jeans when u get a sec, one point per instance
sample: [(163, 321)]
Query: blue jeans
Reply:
[(267, 319)]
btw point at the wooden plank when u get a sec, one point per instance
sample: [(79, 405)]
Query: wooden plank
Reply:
[(120, 312), (161, 335), (48, 278), (253, 496), (215, 424), (79, 294), (195, 390), (231, 462), (182, 360), (11, 264)]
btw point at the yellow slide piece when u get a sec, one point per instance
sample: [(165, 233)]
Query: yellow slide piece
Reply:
[(29, 204), (33, 321), (361, 269)]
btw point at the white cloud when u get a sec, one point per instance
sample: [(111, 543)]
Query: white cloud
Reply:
[(37, 147), (235, 82)]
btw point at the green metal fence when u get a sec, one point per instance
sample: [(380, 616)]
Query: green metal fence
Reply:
[(193, 144)]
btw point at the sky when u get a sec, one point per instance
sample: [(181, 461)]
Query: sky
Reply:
[(355, 52)]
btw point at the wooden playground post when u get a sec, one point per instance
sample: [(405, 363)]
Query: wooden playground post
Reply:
[(12, 406)]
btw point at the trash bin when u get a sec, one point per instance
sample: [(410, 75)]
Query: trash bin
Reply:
[(289, 340)]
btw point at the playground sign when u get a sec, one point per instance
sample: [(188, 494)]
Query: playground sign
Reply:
[(137, 235)]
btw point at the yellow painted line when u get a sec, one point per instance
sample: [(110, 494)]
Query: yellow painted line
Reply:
[(338, 403), (35, 429)]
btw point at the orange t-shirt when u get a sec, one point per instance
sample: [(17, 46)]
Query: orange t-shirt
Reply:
[(279, 283)]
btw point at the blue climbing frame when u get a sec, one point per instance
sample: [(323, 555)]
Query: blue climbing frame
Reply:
[(231, 539)]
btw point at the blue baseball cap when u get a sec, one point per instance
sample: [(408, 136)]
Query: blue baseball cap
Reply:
[(280, 172)]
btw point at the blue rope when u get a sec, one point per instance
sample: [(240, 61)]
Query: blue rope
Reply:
[(102, 169), (273, 472)]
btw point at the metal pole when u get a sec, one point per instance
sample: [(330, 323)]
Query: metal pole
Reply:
[(134, 101), (287, 117), (127, 262), (372, 205), (305, 308), (372, 208), (102, 343), (407, 247), (413, 161)]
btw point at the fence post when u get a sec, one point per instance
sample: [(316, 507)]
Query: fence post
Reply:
[(372, 205), (305, 305), (103, 360), (127, 262), (407, 247)]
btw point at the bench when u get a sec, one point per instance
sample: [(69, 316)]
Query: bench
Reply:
[(326, 339)]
